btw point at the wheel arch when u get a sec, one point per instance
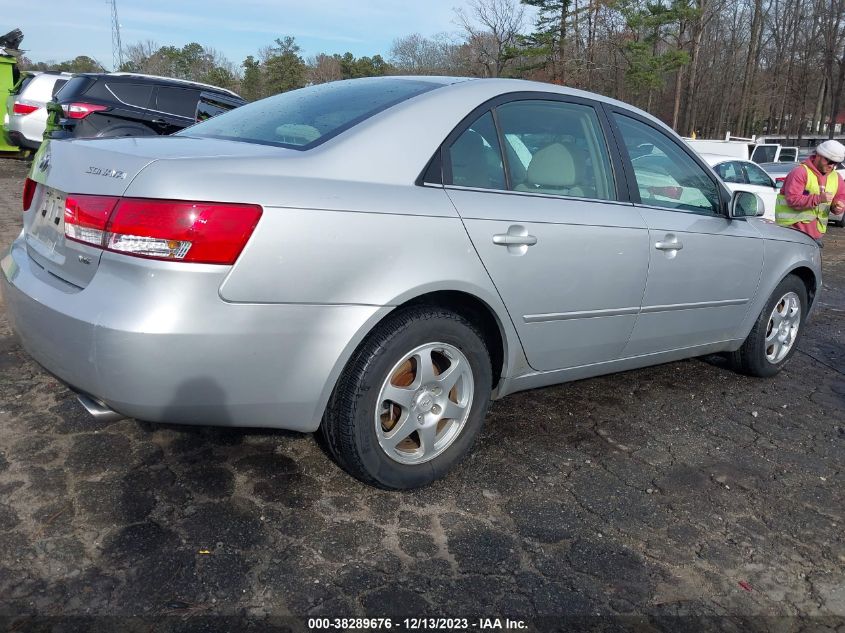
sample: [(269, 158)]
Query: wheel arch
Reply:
[(810, 281), (486, 313)]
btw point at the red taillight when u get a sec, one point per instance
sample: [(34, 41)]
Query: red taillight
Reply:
[(28, 192), (200, 232), (86, 218), (780, 179), (81, 110), (23, 108)]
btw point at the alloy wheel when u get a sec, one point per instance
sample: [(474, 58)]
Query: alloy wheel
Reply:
[(782, 328), (424, 403)]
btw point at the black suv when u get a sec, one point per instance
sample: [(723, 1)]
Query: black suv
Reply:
[(127, 104)]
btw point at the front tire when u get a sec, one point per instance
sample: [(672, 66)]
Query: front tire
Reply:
[(775, 335), (411, 400)]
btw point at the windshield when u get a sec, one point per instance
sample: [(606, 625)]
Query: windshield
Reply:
[(301, 119)]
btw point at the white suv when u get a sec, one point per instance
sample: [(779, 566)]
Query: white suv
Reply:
[(26, 112)]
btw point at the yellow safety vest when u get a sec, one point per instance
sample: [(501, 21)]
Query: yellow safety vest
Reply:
[(787, 216)]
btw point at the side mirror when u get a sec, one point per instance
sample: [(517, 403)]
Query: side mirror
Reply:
[(745, 204)]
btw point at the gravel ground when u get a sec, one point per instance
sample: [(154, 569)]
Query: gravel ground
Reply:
[(682, 496)]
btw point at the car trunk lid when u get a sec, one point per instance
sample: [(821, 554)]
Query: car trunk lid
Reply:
[(101, 167)]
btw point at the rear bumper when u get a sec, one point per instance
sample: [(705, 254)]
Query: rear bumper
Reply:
[(17, 138), (155, 343)]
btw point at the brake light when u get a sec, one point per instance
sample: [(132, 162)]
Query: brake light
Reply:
[(24, 108), (81, 110), (200, 232), (28, 192), (86, 218), (780, 179)]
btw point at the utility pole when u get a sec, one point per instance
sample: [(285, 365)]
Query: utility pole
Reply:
[(116, 47)]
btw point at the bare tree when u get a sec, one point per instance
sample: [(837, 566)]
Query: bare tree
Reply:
[(323, 69), (418, 55), (491, 28)]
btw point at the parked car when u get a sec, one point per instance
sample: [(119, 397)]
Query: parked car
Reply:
[(27, 106), (375, 258), (128, 104), (744, 175), (779, 171)]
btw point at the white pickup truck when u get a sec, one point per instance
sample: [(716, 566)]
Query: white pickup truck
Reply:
[(745, 148)]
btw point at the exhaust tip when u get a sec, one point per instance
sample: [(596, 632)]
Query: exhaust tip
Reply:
[(98, 410)]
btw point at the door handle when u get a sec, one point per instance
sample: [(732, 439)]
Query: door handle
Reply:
[(159, 122), (672, 244), (516, 239), (506, 239)]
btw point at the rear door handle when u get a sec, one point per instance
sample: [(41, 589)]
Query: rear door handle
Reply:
[(671, 244), (504, 239), (516, 239)]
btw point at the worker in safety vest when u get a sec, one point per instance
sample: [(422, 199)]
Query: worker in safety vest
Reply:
[(811, 190)]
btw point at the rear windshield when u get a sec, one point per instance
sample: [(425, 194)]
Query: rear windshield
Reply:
[(22, 83), (73, 88), (301, 119)]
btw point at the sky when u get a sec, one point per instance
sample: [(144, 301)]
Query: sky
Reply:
[(236, 28)]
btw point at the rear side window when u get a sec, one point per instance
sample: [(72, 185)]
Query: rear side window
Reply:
[(474, 159), (730, 172), (303, 118), (764, 153), (137, 95), (179, 101), (556, 148)]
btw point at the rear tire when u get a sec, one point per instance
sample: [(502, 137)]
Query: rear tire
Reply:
[(411, 400), (775, 335)]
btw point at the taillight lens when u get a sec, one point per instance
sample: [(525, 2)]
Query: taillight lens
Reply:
[(81, 110), (28, 192), (199, 232), (86, 218), (24, 108)]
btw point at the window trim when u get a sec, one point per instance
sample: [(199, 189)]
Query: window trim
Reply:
[(619, 183), (633, 189)]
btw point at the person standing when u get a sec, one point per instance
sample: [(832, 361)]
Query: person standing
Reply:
[(811, 190)]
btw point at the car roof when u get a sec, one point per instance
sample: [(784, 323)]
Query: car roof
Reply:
[(162, 80)]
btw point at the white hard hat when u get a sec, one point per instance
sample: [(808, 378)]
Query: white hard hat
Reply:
[(832, 150)]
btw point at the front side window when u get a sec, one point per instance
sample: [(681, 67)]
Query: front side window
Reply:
[(474, 159), (756, 176), (666, 175), (301, 119), (555, 148)]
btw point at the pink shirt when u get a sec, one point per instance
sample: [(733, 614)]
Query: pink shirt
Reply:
[(795, 192)]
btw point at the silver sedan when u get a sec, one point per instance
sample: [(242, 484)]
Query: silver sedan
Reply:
[(377, 258)]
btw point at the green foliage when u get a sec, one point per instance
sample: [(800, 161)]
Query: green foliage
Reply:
[(543, 48), (652, 50), (193, 62), (352, 68), (80, 64), (283, 69), (252, 85)]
